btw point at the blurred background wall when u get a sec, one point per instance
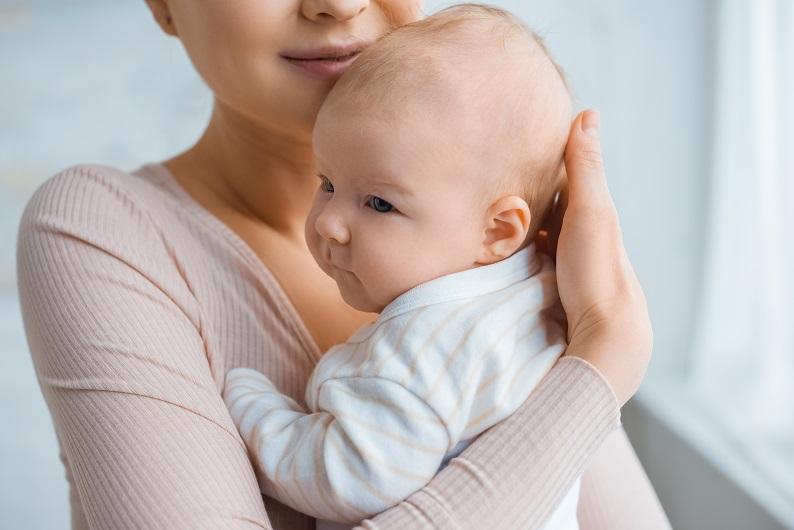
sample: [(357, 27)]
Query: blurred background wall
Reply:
[(96, 81)]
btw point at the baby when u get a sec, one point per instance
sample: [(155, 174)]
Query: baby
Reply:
[(439, 152)]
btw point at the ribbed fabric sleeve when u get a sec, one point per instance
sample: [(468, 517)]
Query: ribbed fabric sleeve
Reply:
[(136, 302)]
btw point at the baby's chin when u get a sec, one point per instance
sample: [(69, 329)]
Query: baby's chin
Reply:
[(357, 299)]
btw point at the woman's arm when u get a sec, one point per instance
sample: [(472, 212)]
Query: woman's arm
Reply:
[(616, 493), (142, 426), (516, 473)]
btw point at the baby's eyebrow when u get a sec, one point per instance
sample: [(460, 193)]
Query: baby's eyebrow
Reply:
[(394, 186)]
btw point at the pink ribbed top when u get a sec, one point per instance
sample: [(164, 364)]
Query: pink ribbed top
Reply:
[(137, 300)]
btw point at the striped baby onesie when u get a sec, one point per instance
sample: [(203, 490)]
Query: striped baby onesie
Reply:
[(443, 362)]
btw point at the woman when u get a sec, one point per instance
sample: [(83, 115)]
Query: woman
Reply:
[(141, 290)]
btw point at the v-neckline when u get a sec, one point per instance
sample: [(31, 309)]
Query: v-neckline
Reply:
[(258, 266)]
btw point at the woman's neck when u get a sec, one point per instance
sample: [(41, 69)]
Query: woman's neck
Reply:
[(262, 173)]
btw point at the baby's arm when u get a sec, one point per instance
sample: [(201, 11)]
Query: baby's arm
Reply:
[(368, 443)]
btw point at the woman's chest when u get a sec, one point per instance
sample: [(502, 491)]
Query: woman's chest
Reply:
[(275, 316), (242, 316)]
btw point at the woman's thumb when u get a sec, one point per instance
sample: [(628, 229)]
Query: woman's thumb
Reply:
[(583, 161)]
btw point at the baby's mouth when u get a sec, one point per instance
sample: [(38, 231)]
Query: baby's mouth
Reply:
[(329, 260)]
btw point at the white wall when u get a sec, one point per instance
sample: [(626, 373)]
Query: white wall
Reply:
[(91, 80)]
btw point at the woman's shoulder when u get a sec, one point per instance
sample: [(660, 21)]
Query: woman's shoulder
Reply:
[(124, 213), (83, 191), (95, 200), (102, 226)]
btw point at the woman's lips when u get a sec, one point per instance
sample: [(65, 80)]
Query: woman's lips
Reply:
[(324, 68), (327, 62)]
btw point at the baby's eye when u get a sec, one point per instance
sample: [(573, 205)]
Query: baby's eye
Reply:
[(379, 205), (325, 184)]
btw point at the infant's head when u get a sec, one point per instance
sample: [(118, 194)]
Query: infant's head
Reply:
[(439, 150)]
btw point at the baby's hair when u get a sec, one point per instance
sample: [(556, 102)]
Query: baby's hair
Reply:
[(444, 27), (470, 10), (413, 60)]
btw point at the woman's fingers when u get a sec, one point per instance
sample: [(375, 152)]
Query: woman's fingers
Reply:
[(585, 172), (584, 164), (607, 315), (590, 243)]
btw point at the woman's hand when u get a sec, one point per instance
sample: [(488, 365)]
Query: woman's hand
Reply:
[(608, 323)]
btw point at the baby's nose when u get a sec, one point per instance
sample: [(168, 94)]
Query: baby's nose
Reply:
[(332, 226)]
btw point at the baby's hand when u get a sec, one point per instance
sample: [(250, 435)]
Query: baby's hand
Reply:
[(246, 377), (249, 395), (241, 380)]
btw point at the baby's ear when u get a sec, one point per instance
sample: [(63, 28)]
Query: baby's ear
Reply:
[(507, 223)]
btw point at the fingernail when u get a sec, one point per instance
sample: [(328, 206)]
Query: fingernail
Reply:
[(590, 122)]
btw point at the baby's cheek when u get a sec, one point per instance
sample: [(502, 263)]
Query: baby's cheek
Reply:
[(384, 277), (314, 243)]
